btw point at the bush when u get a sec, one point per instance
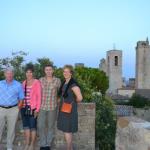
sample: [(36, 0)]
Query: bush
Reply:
[(139, 101), (105, 123), (121, 102)]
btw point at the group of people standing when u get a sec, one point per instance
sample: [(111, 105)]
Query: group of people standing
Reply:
[(41, 102)]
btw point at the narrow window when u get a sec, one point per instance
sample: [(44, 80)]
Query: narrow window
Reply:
[(116, 60)]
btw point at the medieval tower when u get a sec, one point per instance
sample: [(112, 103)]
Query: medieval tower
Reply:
[(113, 68), (143, 65)]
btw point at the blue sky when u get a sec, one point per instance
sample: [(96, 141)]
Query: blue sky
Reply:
[(70, 31)]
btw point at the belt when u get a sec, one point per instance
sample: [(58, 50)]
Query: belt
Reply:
[(7, 107)]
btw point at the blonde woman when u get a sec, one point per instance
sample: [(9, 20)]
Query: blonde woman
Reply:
[(70, 95)]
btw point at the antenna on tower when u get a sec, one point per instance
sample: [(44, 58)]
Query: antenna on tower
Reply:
[(114, 46), (147, 40)]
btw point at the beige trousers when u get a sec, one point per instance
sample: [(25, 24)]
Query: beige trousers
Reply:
[(10, 116)]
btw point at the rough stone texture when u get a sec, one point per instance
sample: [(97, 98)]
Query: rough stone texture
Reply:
[(102, 65), (132, 134), (143, 65), (83, 140), (113, 70), (142, 113)]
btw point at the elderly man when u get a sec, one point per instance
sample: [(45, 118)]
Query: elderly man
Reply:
[(11, 96)]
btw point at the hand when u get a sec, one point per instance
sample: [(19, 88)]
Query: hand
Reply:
[(35, 114), (20, 104), (58, 101)]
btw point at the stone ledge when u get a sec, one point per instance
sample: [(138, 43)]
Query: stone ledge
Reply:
[(132, 134), (83, 140)]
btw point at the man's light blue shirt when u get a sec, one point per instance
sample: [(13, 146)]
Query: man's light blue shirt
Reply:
[(10, 93)]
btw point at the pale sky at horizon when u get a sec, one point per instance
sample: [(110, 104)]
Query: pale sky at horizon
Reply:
[(72, 31)]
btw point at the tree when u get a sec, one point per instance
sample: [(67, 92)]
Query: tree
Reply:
[(16, 61), (91, 80), (39, 66), (105, 123), (139, 101), (59, 73)]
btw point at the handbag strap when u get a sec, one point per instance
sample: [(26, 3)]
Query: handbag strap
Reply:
[(62, 94), (68, 103)]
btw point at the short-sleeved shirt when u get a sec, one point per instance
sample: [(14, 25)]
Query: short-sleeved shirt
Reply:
[(10, 93), (49, 93)]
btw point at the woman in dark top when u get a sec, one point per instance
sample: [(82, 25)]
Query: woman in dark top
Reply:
[(69, 93)]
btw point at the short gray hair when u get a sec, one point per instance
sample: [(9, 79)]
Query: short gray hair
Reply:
[(9, 69)]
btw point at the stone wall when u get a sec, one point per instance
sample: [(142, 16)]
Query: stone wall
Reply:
[(132, 134), (83, 140), (143, 113)]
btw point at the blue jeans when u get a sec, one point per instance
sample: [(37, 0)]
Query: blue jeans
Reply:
[(29, 122)]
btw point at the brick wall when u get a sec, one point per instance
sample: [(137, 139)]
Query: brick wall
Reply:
[(83, 140)]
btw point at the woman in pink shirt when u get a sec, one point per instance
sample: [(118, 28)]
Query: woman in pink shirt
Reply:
[(31, 107)]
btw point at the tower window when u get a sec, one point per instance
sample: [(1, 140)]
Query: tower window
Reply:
[(116, 60)]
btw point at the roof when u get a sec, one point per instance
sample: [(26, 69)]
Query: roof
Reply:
[(126, 88), (143, 92), (118, 97)]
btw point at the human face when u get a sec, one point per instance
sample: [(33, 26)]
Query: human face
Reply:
[(9, 75), (67, 73), (48, 71), (29, 74)]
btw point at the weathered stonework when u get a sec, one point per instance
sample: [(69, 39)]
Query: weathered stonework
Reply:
[(83, 140), (143, 65), (132, 134), (112, 66), (142, 113)]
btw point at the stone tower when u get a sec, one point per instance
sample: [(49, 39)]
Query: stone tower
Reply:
[(103, 65), (114, 70), (143, 65)]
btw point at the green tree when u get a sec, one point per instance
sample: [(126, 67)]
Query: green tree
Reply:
[(16, 61), (59, 73), (39, 66), (91, 80), (139, 101), (105, 123)]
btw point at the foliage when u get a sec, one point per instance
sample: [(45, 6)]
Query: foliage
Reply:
[(91, 80), (121, 102), (139, 101), (39, 66), (105, 123), (59, 73), (16, 61)]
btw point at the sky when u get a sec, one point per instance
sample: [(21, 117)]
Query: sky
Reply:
[(74, 31)]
